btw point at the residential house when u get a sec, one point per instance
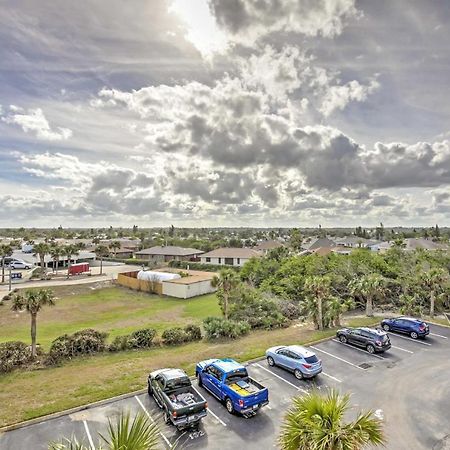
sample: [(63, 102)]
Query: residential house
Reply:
[(229, 256), (161, 254), (266, 246)]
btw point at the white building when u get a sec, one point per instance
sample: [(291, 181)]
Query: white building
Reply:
[(229, 256)]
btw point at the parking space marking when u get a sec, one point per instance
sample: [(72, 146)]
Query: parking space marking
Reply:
[(438, 335), (410, 339), (91, 442), (282, 379), (153, 421), (210, 411), (403, 349), (337, 357), (331, 376), (359, 349)]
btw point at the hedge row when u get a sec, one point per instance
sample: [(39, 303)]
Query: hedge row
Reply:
[(13, 354)]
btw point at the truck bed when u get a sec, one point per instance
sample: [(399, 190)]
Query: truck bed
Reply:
[(245, 387), (184, 397)]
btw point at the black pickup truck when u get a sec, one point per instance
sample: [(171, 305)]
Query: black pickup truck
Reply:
[(172, 390)]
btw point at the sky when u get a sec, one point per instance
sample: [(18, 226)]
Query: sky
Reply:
[(224, 113)]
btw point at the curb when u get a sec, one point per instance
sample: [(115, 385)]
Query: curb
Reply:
[(73, 410)]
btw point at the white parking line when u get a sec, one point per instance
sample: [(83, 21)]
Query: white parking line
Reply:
[(333, 378), (410, 339), (282, 379), (91, 443), (403, 349), (210, 412), (438, 335), (359, 349), (151, 418), (336, 357)]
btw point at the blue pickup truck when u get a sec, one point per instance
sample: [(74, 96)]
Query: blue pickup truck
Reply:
[(229, 382)]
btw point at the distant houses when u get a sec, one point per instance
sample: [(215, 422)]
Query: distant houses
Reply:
[(168, 253)]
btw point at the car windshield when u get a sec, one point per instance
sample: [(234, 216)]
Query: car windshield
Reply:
[(176, 383), (311, 359)]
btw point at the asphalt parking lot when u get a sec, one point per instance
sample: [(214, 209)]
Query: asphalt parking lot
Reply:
[(408, 387)]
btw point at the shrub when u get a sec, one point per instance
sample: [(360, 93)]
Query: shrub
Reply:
[(141, 338), (119, 343), (199, 266), (289, 309), (194, 332), (217, 327), (84, 342), (13, 354), (174, 336)]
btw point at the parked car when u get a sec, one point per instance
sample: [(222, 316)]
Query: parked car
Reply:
[(374, 341), (414, 327), (19, 265), (299, 360), (230, 383), (173, 392)]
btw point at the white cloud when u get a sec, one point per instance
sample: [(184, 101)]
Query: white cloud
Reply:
[(35, 121)]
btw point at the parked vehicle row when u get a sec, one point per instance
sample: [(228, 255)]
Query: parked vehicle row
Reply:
[(229, 381)]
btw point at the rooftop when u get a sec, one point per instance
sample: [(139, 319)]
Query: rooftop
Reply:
[(230, 252)]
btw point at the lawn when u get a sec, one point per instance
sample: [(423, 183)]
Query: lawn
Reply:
[(115, 310), (28, 394)]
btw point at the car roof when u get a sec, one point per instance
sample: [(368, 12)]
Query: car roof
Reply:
[(302, 351), (172, 374), (372, 330), (410, 319), (227, 365)]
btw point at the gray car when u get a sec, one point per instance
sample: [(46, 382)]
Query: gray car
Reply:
[(295, 358)]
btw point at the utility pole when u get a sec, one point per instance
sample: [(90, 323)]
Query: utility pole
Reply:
[(10, 277)]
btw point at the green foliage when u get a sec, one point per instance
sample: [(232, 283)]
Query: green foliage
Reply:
[(216, 327), (84, 342), (141, 338), (199, 266), (13, 355), (316, 422), (178, 335)]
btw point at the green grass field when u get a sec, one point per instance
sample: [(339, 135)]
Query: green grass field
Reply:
[(115, 310)]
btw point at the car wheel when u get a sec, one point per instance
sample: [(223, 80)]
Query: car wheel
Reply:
[(270, 361), (386, 327), (229, 406), (150, 390), (298, 374), (343, 339), (413, 335), (199, 380), (370, 348)]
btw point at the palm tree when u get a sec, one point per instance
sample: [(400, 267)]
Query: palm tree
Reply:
[(115, 245), (316, 422), (227, 282), (32, 301), (317, 290), (369, 287), (123, 434), (432, 282), (56, 251), (41, 249), (5, 251), (69, 251), (101, 251)]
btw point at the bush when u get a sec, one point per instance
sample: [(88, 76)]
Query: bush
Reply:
[(194, 332), (119, 343), (289, 309), (13, 354), (141, 338), (9, 295), (84, 342), (216, 327), (174, 336)]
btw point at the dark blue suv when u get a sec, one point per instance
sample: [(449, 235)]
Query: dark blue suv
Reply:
[(414, 327)]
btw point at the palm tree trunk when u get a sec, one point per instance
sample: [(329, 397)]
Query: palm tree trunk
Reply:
[(101, 267), (42, 265), (432, 301), (33, 335), (225, 305), (57, 264), (68, 266), (369, 306), (319, 313), (3, 269)]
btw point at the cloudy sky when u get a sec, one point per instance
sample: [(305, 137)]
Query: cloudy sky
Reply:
[(224, 112)]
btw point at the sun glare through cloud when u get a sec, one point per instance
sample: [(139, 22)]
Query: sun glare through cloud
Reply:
[(203, 31)]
